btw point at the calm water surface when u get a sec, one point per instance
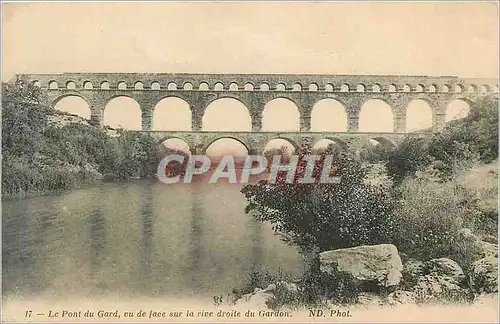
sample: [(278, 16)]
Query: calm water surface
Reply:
[(136, 239)]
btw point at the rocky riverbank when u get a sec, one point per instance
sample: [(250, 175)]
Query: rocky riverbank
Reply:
[(377, 275)]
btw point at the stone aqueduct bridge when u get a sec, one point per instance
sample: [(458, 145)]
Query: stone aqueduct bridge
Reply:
[(255, 90)]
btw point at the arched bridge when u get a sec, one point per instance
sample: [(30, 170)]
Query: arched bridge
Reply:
[(255, 90)]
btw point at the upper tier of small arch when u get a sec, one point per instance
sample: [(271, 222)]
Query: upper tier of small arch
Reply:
[(261, 82)]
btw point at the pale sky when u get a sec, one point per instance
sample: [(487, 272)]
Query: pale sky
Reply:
[(331, 38)]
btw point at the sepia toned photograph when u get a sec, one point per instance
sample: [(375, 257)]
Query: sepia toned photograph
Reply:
[(250, 162)]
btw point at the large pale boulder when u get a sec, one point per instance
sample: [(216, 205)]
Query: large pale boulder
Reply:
[(483, 276), (378, 265)]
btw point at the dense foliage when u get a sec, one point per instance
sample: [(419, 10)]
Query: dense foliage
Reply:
[(469, 138), (41, 156), (321, 215)]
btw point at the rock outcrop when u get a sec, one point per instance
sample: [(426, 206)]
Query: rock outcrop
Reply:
[(372, 266), (438, 279), (483, 276)]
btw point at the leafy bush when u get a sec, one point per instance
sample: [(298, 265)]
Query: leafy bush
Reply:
[(429, 216), (327, 216), (410, 156)]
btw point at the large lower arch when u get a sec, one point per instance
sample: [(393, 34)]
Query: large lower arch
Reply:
[(376, 149), (418, 116), (384, 142), (457, 109), (226, 114), (328, 115), (326, 143), (278, 146), (74, 105), (123, 112), (226, 146), (376, 116), (172, 114), (280, 115), (173, 145)]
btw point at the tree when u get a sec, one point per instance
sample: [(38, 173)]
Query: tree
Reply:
[(324, 216), (410, 156), (24, 118)]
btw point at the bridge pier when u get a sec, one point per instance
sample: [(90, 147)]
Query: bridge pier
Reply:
[(96, 111), (196, 119), (352, 124), (256, 123), (305, 123)]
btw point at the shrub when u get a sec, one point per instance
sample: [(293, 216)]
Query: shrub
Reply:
[(410, 156), (430, 214), (327, 216)]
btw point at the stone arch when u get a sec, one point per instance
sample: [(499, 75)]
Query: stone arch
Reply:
[(187, 86), (172, 114), (176, 143), (433, 87), (155, 85), (297, 87), (345, 88), (325, 142), (313, 87), (139, 85), (392, 88), (472, 88), (264, 87), (207, 146), (445, 88), (73, 104), (459, 88), (281, 114), (420, 88), (227, 114), (53, 85), (233, 86), (123, 112), (248, 87), (328, 115), (37, 83), (122, 85), (375, 115), (172, 86), (329, 87), (203, 86), (280, 87), (419, 115), (457, 109), (360, 87), (387, 143), (406, 88), (87, 85), (70, 85), (376, 87), (104, 85), (278, 142), (219, 86), (485, 88)]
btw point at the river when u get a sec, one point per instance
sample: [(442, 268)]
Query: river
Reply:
[(134, 240)]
